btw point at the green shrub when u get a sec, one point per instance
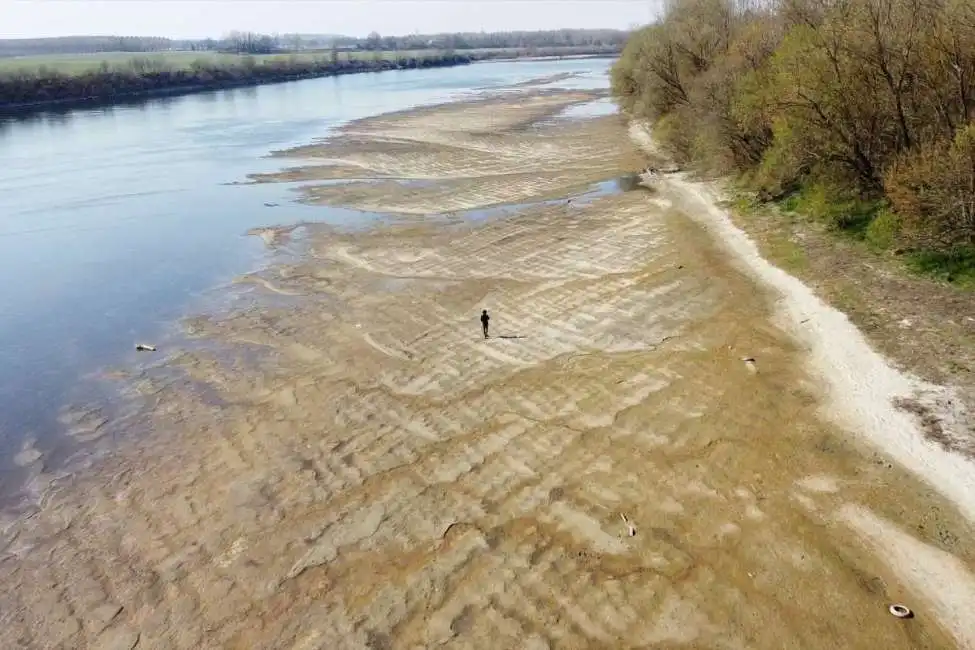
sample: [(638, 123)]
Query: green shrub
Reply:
[(884, 230), (835, 204), (956, 266), (670, 132), (858, 114), (933, 189), (781, 168)]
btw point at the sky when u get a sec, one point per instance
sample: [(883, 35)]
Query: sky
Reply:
[(212, 18)]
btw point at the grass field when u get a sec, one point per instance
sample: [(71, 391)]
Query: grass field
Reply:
[(80, 63)]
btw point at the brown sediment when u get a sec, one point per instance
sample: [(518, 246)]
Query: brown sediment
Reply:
[(377, 475)]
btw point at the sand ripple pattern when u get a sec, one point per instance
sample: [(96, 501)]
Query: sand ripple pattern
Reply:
[(350, 465)]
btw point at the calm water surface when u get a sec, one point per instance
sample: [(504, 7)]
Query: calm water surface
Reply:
[(114, 222)]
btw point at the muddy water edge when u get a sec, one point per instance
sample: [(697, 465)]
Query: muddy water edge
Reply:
[(347, 464)]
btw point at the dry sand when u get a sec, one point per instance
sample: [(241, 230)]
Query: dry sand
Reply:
[(345, 463)]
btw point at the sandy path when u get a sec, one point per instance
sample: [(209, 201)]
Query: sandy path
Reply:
[(352, 466)]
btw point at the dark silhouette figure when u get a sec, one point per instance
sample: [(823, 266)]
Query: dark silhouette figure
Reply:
[(484, 321)]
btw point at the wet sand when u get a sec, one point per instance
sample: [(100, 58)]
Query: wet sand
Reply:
[(346, 463)]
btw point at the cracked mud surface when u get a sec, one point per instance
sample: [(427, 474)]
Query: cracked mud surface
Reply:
[(350, 465)]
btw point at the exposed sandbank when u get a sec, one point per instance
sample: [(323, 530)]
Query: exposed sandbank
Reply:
[(349, 465)]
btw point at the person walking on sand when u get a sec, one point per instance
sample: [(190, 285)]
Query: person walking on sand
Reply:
[(484, 322)]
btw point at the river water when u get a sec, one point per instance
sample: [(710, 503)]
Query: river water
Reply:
[(117, 221)]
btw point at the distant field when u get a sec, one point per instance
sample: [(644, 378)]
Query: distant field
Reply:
[(80, 63), (35, 82)]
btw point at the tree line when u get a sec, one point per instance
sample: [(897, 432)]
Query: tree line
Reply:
[(94, 45), (253, 43), (597, 38), (147, 75), (860, 111)]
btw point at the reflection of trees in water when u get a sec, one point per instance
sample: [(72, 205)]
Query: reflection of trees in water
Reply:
[(62, 114), (52, 118), (56, 119)]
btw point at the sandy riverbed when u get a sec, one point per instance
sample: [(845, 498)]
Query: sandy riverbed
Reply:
[(348, 464)]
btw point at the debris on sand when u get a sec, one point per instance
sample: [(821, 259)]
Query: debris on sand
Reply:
[(901, 611), (145, 347), (656, 171), (750, 364), (630, 528)]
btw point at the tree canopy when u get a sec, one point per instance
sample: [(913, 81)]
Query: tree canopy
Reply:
[(869, 102)]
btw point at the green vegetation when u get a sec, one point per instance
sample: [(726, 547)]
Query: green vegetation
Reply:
[(557, 38), (839, 206), (857, 113), (110, 80), (73, 64), (251, 43), (39, 72), (70, 64), (38, 81), (957, 267)]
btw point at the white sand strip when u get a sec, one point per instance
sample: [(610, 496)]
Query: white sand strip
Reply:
[(859, 383), (924, 569)]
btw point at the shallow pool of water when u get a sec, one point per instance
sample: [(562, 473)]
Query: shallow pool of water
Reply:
[(596, 108)]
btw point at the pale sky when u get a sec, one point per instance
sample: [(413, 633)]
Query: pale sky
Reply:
[(203, 18)]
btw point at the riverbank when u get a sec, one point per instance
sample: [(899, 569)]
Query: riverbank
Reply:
[(923, 426), (25, 91), (637, 455), (922, 326), (23, 95)]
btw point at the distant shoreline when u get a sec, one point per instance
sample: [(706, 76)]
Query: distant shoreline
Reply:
[(14, 109), (185, 86), (178, 91)]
